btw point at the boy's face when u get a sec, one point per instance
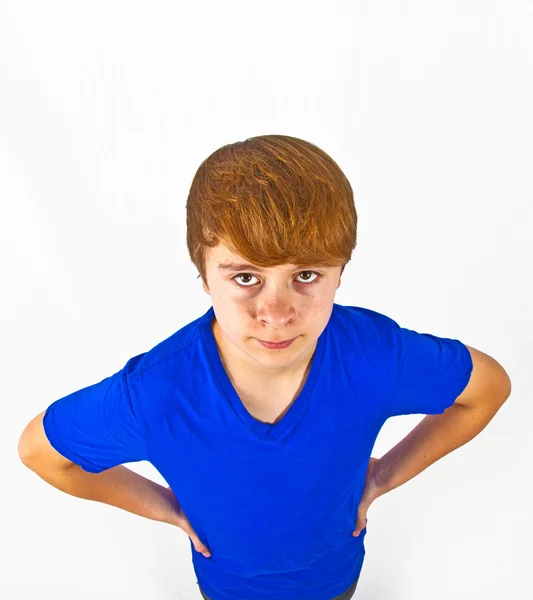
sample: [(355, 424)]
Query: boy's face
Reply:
[(274, 304)]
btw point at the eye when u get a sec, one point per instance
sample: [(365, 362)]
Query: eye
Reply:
[(245, 275)]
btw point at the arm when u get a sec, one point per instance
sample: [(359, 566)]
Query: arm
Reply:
[(118, 486), (438, 435)]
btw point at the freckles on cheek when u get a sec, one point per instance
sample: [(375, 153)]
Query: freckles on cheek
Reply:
[(314, 307)]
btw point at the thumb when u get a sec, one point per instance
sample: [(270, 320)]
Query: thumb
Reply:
[(183, 523), (198, 546), (360, 524)]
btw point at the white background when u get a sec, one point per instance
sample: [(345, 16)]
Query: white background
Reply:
[(106, 111)]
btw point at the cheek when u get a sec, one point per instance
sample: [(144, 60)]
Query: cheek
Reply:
[(315, 307), (236, 315), (317, 314)]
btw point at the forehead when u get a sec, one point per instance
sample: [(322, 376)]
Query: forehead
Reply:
[(226, 261)]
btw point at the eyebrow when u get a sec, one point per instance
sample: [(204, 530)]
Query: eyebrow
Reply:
[(239, 266)]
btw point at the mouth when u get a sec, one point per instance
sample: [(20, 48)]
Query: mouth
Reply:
[(282, 344)]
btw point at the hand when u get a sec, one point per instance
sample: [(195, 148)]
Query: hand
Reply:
[(182, 522), (371, 491)]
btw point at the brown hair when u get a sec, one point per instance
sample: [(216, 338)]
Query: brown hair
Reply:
[(273, 199)]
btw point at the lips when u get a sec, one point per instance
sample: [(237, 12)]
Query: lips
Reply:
[(276, 345)]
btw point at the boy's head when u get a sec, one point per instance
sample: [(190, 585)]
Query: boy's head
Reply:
[(284, 206)]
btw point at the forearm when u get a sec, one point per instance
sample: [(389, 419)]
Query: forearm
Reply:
[(119, 486), (434, 437)]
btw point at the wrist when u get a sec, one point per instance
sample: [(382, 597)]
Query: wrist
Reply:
[(173, 507)]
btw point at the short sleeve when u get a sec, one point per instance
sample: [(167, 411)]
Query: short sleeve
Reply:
[(96, 426), (429, 372)]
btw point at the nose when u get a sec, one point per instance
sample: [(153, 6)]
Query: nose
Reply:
[(276, 316)]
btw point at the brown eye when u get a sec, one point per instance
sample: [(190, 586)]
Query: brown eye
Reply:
[(242, 275), (309, 272)]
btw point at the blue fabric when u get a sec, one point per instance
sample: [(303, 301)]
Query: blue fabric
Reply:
[(275, 504)]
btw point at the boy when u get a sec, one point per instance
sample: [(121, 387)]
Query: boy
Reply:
[(262, 413)]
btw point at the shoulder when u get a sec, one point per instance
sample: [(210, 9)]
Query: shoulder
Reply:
[(176, 346), (364, 323)]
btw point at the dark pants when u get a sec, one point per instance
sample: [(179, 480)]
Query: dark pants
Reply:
[(344, 596)]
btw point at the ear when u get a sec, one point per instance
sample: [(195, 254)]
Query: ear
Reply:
[(206, 289)]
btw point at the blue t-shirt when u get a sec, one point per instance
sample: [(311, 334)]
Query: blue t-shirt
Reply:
[(276, 504)]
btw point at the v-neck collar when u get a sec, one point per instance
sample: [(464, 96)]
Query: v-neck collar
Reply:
[(275, 430)]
